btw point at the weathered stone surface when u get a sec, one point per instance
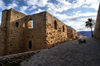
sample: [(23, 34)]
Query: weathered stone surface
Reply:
[(21, 33), (2, 41), (97, 26)]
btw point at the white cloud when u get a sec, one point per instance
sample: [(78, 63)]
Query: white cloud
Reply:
[(95, 4), (42, 3), (12, 5), (60, 7), (2, 4), (84, 3), (31, 2), (23, 9), (78, 21), (36, 3), (78, 3), (32, 8), (78, 15), (38, 11), (78, 25), (61, 16)]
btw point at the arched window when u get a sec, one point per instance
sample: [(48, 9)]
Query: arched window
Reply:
[(63, 28), (17, 24), (30, 44), (55, 24), (30, 23)]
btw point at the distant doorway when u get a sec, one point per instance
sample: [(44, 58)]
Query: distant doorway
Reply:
[(30, 44)]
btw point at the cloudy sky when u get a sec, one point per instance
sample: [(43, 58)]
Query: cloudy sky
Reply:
[(72, 12)]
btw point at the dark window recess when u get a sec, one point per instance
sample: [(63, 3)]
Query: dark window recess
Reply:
[(63, 29), (30, 44), (10, 44), (30, 19), (55, 24), (17, 24), (6, 15)]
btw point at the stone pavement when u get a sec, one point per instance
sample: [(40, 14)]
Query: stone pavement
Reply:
[(69, 53)]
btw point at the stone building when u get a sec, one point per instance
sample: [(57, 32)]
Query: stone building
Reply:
[(21, 33), (97, 26)]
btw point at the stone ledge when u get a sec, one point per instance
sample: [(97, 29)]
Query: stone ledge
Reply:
[(15, 59)]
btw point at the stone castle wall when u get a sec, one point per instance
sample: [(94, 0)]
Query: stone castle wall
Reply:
[(56, 31), (2, 41), (97, 26), (37, 34), (32, 32), (14, 33)]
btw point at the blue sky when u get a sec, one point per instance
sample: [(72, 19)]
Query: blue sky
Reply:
[(72, 12)]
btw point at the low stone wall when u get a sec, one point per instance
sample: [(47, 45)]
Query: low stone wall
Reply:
[(15, 59)]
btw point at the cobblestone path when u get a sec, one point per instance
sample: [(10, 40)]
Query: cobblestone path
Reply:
[(69, 53)]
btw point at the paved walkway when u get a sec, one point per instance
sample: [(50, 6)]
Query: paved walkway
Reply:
[(67, 54)]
